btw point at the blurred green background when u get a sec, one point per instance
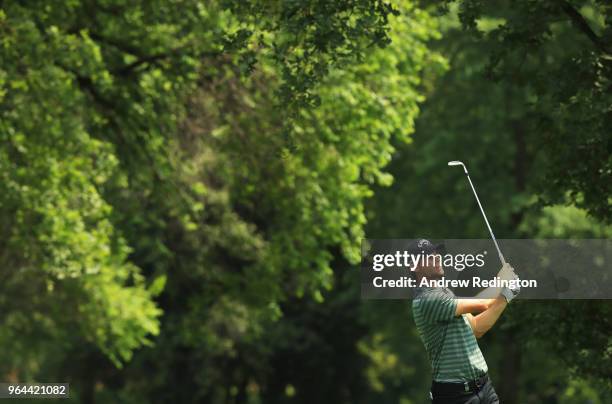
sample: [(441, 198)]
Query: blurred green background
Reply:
[(184, 186)]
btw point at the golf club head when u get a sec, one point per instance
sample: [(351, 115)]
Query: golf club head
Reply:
[(458, 163)]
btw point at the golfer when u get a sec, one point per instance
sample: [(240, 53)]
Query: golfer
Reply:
[(449, 326)]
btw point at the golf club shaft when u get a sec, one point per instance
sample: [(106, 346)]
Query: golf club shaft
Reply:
[(501, 256)]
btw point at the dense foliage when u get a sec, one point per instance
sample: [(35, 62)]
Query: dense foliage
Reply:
[(559, 54)]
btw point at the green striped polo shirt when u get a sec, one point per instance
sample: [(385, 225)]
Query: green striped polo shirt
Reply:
[(449, 340)]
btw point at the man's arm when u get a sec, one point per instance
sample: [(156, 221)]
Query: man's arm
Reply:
[(489, 309), (485, 320), (489, 293), (466, 306)]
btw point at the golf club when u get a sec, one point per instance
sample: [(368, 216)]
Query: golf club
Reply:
[(459, 163)]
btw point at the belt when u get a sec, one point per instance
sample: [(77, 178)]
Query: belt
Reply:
[(450, 388)]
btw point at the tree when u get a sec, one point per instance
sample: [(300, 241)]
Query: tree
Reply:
[(116, 205), (559, 53), (276, 212)]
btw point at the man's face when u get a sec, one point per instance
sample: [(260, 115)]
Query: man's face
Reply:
[(432, 269)]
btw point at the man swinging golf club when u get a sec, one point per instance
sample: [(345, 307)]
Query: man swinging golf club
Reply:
[(449, 327)]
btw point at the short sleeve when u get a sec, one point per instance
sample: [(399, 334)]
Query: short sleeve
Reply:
[(438, 307)]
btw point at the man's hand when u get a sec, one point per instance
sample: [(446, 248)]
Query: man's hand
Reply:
[(507, 273)]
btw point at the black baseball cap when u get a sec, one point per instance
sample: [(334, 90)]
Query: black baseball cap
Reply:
[(425, 246)]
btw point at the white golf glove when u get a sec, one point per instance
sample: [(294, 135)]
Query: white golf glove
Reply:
[(507, 273)]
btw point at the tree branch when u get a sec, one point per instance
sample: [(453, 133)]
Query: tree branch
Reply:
[(151, 59), (121, 46), (580, 23), (87, 85)]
